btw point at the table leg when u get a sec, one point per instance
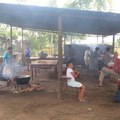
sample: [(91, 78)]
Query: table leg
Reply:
[(55, 73), (27, 67), (35, 72), (32, 72)]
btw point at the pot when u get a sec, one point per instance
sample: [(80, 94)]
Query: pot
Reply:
[(3, 78), (22, 79)]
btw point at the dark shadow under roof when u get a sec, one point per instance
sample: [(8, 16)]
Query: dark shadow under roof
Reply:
[(46, 18)]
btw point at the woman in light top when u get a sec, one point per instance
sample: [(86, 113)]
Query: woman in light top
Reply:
[(87, 57), (71, 82)]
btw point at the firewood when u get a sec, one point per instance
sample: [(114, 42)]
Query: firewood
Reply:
[(38, 87), (27, 89)]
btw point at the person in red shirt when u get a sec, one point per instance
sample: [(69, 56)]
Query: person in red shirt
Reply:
[(110, 70), (117, 99)]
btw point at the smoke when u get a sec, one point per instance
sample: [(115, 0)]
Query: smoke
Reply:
[(11, 70)]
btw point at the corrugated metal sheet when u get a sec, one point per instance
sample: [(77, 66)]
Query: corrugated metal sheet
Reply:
[(46, 18)]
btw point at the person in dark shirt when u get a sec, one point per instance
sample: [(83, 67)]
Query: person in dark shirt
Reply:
[(71, 55)]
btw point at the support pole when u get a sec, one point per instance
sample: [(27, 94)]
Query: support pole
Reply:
[(10, 36), (59, 56), (51, 42), (22, 46), (113, 44)]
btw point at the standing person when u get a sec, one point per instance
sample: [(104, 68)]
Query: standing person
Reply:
[(108, 56), (71, 82), (87, 57), (71, 55), (7, 70), (27, 55), (94, 60)]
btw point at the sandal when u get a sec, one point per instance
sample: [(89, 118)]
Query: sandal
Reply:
[(83, 101)]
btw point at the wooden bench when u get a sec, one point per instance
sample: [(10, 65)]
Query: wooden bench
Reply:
[(64, 84)]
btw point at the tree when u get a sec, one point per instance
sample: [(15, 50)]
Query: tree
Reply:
[(98, 5), (5, 37)]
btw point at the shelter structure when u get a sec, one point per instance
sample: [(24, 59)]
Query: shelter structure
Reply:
[(61, 20)]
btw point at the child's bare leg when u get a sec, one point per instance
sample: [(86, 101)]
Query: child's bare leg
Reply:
[(81, 93)]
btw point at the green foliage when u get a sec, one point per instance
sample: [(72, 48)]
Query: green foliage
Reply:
[(118, 42), (99, 5), (38, 40), (34, 52), (72, 4)]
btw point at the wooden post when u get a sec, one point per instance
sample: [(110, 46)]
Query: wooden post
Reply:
[(22, 45), (113, 44), (59, 56), (10, 36), (51, 43)]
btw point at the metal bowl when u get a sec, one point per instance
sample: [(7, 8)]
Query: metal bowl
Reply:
[(22, 79)]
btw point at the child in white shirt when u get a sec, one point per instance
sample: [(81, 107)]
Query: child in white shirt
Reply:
[(71, 82)]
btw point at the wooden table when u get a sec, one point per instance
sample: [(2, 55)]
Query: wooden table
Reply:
[(37, 58), (44, 64)]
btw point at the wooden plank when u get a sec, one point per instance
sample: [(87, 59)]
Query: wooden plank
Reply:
[(22, 46), (45, 62), (59, 56), (113, 44)]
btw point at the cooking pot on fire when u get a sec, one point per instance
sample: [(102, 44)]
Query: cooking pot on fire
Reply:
[(22, 79)]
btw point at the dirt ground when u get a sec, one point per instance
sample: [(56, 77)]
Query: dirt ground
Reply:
[(44, 105)]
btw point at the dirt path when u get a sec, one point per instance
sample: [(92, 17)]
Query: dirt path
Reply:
[(44, 105)]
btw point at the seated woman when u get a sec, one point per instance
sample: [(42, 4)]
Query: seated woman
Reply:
[(71, 82), (108, 56), (110, 70)]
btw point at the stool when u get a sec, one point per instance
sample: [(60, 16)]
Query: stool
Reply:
[(67, 87)]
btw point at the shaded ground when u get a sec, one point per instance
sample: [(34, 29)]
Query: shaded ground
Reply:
[(44, 105)]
